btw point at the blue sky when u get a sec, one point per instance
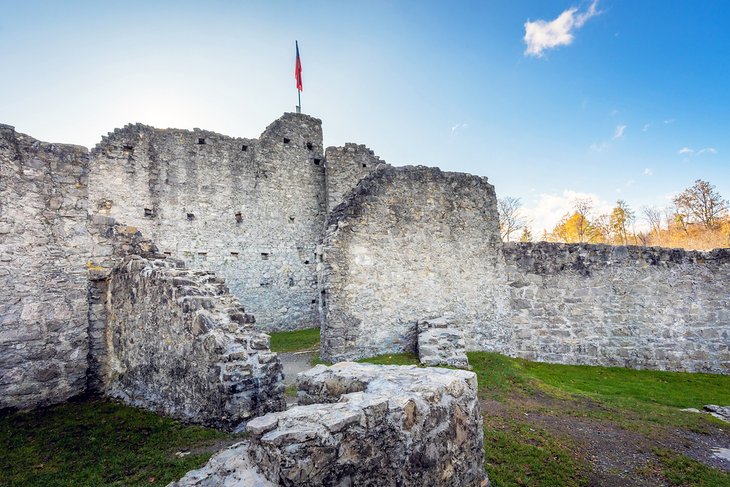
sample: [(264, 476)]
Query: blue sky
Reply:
[(610, 99)]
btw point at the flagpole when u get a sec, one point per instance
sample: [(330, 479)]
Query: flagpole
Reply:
[(298, 76)]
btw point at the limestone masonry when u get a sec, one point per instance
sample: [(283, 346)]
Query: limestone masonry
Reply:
[(365, 425), (149, 267)]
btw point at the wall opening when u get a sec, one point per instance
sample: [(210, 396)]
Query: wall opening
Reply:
[(317, 161), (190, 217), (128, 147), (239, 217), (244, 148), (286, 140), (201, 141), (264, 256), (364, 165), (234, 254), (310, 146), (149, 213)]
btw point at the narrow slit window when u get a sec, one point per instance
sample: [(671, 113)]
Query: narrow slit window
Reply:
[(234, 254), (310, 146), (239, 217), (264, 256)]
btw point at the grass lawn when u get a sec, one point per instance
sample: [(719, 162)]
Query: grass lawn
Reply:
[(295, 341), (95, 442), (544, 425)]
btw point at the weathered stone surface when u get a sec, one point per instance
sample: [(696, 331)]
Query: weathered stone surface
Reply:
[(346, 167), (720, 412), (630, 306), (175, 344), (365, 425), (441, 343), (43, 248), (410, 242), (228, 468), (252, 210)]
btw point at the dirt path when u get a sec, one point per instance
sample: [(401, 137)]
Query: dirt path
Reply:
[(616, 456)]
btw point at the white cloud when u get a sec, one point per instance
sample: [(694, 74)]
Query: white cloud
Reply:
[(691, 152), (599, 146), (541, 34), (648, 172), (459, 126), (669, 120), (619, 131), (646, 127), (549, 208)]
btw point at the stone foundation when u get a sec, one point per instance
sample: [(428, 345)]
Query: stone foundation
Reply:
[(363, 425)]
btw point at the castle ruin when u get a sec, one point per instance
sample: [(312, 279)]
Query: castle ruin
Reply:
[(150, 268)]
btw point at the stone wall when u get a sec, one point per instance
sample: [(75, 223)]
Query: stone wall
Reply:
[(410, 244), (43, 249), (635, 307), (364, 425), (178, 343), (346, 167), (250, 209)]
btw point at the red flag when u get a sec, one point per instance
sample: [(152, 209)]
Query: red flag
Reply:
[(298, 69)]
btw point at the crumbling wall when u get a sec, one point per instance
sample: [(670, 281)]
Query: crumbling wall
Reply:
[(410, 244), (637, 307), (252, 210), (364, 425), (180, 344), (346, 167), (43, 248)]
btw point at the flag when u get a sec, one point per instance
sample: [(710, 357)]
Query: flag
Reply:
[(298, 69)]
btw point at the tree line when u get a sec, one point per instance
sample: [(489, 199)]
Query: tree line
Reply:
[(697, 219)]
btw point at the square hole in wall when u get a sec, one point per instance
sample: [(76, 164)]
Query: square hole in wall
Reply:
[(291, 219), (264, 256), (291, 282), (314, 301), (149, 213), (317, 161), (364, 165), (286, 140), (201, 141), (310, 146), (128, 147), (244, 148), (239, 217), (190, 217)]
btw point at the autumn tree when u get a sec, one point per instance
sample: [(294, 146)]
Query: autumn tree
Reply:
[(654, 217), (621, 219), (510, 216), (526, 235), (701, 203)]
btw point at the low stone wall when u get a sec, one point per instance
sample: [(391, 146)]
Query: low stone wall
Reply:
[(178, 343), (43, 246), (364, 425), (637, 307), (411, 244)]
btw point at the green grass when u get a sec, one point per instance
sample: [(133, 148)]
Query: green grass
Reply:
[(393, 359), (295, 341), (97, 442), (682, 471), (674, 389), (517, 454)]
